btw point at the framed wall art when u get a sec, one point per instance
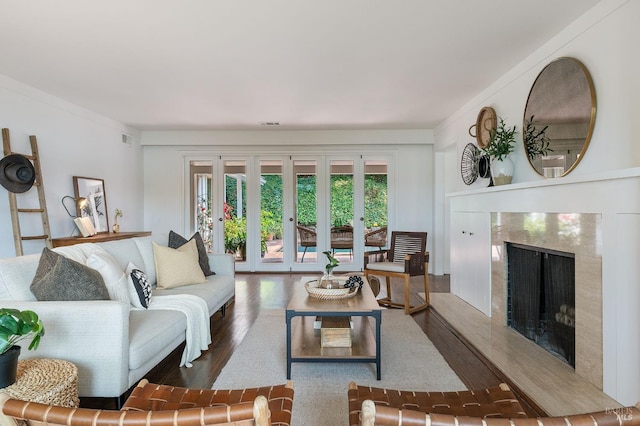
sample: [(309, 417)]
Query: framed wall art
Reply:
[(96, 205)]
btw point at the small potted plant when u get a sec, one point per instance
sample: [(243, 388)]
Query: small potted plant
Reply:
[(116, 227), (15, 326), (501, 143), (328, 280)]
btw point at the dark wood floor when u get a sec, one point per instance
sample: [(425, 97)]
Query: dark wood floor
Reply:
[(271, 291)]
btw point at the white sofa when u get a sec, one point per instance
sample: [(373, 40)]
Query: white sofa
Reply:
[(112, 345)]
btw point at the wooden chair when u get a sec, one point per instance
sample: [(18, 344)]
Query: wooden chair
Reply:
[(498, 401), (376, 415), (342, 238), (407, 257), (308, 238), (161, 405), (376, 238)]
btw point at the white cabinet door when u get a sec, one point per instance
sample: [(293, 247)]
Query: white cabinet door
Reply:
[(471, 258)]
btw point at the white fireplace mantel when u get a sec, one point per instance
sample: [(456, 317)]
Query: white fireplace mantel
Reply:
[(614, 198)]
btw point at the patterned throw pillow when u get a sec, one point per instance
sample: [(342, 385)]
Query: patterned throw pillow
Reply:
[(177, 241), (59, 278), (139, 287)]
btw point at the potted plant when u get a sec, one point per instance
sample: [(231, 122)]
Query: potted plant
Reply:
[(501, 143), (328, 280), (536, 141), (116, 227), (235, 236), (15, 326)]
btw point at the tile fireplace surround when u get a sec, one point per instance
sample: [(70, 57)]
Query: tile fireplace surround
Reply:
[(573, 233)]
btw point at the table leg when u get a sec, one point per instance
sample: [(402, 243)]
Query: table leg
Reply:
[(288, 316), (378, 318)]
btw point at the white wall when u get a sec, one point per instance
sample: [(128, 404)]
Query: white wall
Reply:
[(604, 39), (72, 142), (164, 154)]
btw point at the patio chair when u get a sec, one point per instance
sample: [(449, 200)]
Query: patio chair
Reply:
[(308, 238), (161, 405), (376, 238), (498, 401), (342, 238), (407, 257)]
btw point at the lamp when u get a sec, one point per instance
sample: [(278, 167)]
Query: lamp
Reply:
[(80, 203), (83, 224)]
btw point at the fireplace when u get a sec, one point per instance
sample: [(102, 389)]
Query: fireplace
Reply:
[(541, 296)]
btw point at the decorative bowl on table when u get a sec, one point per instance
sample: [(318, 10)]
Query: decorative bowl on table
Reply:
[(316, 291)]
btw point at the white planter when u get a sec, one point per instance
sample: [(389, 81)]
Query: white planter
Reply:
[(502, 171)]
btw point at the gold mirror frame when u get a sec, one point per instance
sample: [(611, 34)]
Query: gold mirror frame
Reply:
[(562, 101)]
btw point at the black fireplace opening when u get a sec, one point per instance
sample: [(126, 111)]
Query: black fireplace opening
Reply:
[(541, 298)]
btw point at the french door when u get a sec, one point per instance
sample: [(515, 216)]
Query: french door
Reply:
[(281, 213)]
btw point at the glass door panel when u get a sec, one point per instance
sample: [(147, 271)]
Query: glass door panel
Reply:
[(235, 208), (271, 211), (306, 214), (201, 199), (375, 204), (342, 207)]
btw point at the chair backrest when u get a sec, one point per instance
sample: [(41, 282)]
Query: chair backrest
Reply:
[(404, 243), (246, 413), (376, 238), (308, 236), (373, 415)]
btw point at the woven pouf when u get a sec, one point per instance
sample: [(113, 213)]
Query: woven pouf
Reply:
[(48, 381)]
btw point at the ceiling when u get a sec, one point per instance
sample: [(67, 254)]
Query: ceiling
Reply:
[(305, 64)]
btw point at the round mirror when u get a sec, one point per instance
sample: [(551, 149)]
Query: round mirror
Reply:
[(559, 117)]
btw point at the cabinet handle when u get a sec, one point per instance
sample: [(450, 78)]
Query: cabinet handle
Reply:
[(470, 233), (464, 232)]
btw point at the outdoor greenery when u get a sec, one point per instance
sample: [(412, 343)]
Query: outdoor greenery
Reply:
[(271, 202)]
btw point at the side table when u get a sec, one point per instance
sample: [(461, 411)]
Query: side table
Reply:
[(47, 381)]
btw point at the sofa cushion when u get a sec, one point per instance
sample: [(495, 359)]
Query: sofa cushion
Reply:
[(145, 247), (113, 275), (147, 338), (16, 274), (59, 278), (78, 252), (216, 291), (139, 287), (177, 240), (177, 267)]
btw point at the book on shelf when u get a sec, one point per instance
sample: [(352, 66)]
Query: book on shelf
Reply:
[(85, 226)]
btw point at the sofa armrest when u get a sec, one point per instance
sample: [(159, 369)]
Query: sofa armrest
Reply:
[(92, 334), (222, 264)]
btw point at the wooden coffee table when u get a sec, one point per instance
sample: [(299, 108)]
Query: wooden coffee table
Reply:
[(303, 341)]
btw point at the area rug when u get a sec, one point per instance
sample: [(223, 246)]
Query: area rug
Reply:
[(409, 362)]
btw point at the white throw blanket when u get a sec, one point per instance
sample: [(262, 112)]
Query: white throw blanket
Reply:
[(198, 333)]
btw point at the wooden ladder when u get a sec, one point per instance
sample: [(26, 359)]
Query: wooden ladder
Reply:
[(18, 238)]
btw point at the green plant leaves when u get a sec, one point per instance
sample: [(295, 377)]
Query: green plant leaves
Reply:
[(16, 325)]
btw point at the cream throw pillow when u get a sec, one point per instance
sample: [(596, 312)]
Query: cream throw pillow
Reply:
[(177, 267)]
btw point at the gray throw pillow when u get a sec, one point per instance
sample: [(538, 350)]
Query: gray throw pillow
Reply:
[(177, 241), (60, 278)]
